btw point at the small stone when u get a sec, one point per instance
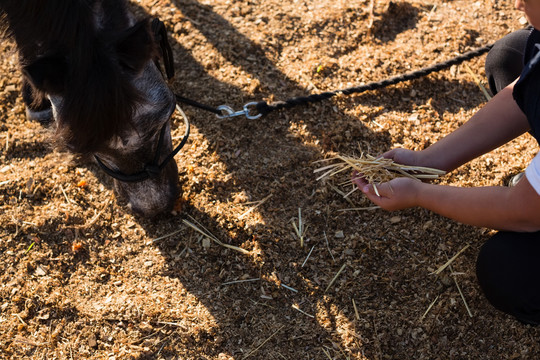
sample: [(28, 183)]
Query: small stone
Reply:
[(146, 327), (395, 219), (92, 341), (39, 271), (428, 224), (206, 243), (446, 280)]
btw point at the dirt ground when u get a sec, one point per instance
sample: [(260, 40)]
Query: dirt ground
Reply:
[(82, 278)]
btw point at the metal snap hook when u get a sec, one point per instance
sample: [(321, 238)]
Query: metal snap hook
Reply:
[(228, 112), (246, 111)]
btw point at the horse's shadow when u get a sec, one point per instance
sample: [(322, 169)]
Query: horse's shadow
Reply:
[(272, 178), (396, 18)]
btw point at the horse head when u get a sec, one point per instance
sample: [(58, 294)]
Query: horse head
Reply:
[(96, 66)]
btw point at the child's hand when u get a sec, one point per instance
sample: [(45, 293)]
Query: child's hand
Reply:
[(404, 156), (397, 194)]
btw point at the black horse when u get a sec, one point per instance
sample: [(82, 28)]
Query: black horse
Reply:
[(89, 67)]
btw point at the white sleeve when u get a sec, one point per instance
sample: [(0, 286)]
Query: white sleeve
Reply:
[(533, 173)]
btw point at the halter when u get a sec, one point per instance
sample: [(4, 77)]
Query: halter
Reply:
[(154, 168)]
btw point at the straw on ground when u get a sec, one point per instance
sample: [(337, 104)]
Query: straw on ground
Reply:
[(300, 229), (449, 262), (200, 229), (335, 277)]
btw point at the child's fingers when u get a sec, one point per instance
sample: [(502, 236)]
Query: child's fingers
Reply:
[(396, 194), (381, 195), (402, 156), (359, 179), (368, 190), (376, 191), (389, 154)]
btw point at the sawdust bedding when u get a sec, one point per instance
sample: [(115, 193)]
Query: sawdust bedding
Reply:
[(81, 277)]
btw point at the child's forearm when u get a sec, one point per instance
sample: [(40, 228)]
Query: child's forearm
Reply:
[(498, 122), (498, 207)]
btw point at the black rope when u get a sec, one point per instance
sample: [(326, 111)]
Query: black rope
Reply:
[(197, 104), (264, 108)]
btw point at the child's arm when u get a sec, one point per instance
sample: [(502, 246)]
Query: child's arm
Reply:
[(498, 122), (497, 207), (516, 208)]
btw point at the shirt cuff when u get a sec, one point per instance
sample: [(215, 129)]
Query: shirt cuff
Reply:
[(533, 173)]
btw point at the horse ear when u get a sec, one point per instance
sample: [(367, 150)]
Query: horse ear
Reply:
[(47, 74), (137, 47)]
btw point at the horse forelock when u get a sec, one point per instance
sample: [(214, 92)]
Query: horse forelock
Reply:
[(99, 102), (99, 98)]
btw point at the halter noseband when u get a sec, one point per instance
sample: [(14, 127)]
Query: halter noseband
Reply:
[(154, 168)]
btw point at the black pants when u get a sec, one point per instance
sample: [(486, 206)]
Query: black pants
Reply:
[(508, 266)]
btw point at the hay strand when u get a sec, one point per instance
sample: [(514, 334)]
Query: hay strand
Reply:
[(210, 236), (289, 288), (335, 277), (478, 82), (240, 281), (297, 308), (300, 229), (167, 235), (264, 342), (305, 261), (355, 310), (449, 262), (257, 204), (328, 246), (366, 208), (429, 307), (461, 294), (96, 216)]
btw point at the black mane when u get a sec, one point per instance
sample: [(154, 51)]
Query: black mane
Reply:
[(85, 38)]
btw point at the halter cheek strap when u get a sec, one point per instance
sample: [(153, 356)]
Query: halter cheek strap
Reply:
[(154, 168), (160, 35)]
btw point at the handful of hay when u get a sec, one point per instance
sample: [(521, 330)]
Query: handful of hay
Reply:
[(376, 170)]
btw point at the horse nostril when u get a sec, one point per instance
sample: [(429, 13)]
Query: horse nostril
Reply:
[(154, 196), (150, 207), (148, 212)]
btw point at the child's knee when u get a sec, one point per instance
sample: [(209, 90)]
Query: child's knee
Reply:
[(504, 61), (505, 274)]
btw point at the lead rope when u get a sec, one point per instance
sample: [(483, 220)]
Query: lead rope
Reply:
[(255, 110), (264, 108)]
